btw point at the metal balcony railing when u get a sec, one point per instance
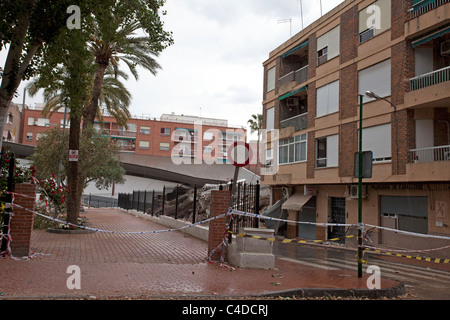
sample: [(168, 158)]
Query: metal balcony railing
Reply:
[(430, 79), (299, 122), (441, 153), (299, 76), (422, 6)]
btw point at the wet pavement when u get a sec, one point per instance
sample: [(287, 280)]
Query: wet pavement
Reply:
[(161, 265)]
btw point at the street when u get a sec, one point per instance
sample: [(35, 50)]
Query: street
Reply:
[(425, 281)]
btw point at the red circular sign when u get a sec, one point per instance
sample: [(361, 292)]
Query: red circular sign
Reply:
[(234, 145)]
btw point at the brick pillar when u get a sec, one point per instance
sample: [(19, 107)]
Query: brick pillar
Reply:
[(22, 220), (220, 202)]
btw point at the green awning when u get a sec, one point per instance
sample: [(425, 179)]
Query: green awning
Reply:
[(287, 95), (304, 44), (430, 37), (417, 4)]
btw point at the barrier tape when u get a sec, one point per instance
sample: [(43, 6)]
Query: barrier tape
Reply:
[(120, 232), (245, 235), (325, 224), (410, 233), (428, 259)]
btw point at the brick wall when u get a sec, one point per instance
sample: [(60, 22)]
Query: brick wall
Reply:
[(348, 94), (403, 139), (312, 56), (220, 202), (311, 104), (399, 14), (310, 165), (22, 220), (348, 145), (349, 35)]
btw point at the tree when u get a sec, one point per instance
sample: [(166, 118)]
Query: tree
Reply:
[(255, 124), (114, 98), (70, 50), (25, 26), (110, 48), (99, 158)]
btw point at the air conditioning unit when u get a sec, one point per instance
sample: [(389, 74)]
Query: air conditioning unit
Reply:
[(445, 48), (353, 192), (292, 102)]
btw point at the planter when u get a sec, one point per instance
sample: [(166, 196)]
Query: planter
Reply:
[(69, 231)]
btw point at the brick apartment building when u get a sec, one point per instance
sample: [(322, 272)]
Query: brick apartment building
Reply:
[(189, 136), (11, 131), (400, 50)]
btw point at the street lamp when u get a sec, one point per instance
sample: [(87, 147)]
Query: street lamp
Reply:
[(373, 95)]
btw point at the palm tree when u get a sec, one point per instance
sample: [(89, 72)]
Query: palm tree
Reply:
[(125, 46), (255, 124), (115, 97)]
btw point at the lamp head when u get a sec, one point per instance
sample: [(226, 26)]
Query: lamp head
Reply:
[(370, 94)]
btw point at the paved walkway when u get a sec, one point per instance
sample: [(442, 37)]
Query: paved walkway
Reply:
[(154, 265)]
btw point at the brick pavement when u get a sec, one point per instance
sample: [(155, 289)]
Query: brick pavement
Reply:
[(154, 265)]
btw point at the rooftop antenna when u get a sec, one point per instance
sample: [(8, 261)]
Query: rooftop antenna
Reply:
[(301, 11), (290, 25)]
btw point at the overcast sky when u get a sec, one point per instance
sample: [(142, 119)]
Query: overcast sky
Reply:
[(214, 68)]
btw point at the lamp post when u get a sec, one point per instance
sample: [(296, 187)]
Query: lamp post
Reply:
[(370, 94), (360, 251)]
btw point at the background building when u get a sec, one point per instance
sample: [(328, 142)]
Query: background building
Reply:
[(147, 136), (400, 50)]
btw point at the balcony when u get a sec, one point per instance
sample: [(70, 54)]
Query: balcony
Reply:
[(433, 154), (429, 79), (422, 6), (299, 76), (299, 122)]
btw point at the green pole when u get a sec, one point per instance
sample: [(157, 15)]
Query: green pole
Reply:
[(360, 187)]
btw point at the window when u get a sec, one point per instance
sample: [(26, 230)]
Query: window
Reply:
[(165, 131), (378, 140), (68, 124), (144, 144), (328, 99), (29, 136), (374, 20), (327, 152), (377, 79), (39, 135), (132, 127), (42, 122), (30, 121), (328, 46), (10, 118), (145, 130), (208, 135), (271, 79), (164, 146), (292, 150), (270, 119)]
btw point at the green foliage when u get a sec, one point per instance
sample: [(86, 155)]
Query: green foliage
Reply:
[(98, 158)]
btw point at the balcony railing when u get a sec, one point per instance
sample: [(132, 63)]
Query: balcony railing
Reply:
[(299, 76), (441, 153), (299, 122), (430, 79), (422, 6)]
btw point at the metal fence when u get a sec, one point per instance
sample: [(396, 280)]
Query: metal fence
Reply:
[(183, 203)]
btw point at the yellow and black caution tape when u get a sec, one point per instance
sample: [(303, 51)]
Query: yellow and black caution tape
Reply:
[(428, 259), (289, 240)]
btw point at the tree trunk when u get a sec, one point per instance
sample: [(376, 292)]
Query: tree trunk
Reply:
[(13, 69), (73, 201), (91, 111)]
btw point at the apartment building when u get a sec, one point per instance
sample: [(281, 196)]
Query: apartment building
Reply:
[(186, 137), (11, 131), (399, 50)]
